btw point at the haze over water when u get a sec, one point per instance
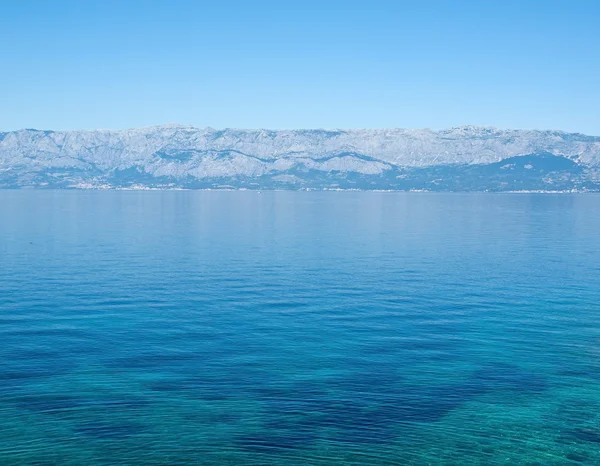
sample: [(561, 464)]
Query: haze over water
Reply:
[(299, 328)]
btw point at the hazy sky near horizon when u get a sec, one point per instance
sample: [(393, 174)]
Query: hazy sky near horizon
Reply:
[(71, 64)]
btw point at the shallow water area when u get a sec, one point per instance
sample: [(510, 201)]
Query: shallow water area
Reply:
[(181, 327)]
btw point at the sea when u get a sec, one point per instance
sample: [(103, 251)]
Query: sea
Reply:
[(299, 328)]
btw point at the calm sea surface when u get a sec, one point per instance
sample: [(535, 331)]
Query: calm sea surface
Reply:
[(299, 328)]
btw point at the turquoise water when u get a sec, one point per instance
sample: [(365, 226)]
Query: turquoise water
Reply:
[(299, 328)]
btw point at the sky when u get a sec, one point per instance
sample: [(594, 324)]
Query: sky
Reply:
[(114, 64)]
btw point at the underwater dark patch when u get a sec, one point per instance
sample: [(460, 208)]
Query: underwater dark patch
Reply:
[(577, 457), (28, 354), (363, 406), (503, 376), (364, 376), (24, 375), (49, 404), (28, 365), (109, 431), (425, 409), (118, 403), (586, 435), (359, 423), (223, 418), (352, 421)]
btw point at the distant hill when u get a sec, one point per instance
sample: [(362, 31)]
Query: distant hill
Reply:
[(467, 158)]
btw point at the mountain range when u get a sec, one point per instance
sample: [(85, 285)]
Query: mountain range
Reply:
[(466, 158)]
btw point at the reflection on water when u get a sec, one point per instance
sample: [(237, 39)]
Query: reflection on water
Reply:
[(299, 328)]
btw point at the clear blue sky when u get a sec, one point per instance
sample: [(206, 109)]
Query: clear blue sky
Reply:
[(292, 64)]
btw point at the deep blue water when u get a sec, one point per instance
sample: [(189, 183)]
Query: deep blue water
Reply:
[(299, 328)]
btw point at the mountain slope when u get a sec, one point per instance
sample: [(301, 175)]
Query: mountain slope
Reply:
[(465, 158)]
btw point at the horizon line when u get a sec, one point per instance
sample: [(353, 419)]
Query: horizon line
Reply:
[(210, 128)]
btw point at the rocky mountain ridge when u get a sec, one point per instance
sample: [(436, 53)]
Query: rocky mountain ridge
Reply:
[(465, 158)]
